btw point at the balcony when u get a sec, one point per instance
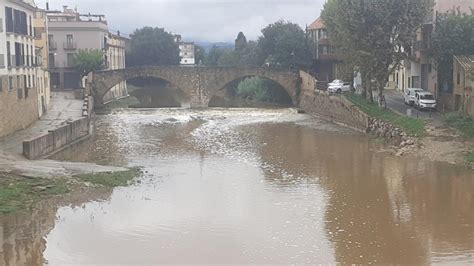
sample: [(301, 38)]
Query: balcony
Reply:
[(53, 46), (70, 46)]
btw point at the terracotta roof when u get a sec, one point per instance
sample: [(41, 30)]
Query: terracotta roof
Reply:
[(317, 24), (466, 62)]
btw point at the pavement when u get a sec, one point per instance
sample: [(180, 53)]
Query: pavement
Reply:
[(63, 107), (395, 101)]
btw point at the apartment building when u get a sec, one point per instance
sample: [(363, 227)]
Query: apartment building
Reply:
[(20, 93), (323, 51), (419, 72)]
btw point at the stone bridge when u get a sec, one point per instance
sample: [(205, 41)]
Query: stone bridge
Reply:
[(199, 84)]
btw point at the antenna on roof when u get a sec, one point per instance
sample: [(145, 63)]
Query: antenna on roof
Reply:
[(47, 5)]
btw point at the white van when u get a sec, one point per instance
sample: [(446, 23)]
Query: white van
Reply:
[(425, 100), (409, 95)]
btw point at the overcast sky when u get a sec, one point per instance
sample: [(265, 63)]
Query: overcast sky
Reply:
[(197, 20)]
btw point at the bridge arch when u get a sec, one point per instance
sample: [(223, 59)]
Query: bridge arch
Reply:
[(228, 89)]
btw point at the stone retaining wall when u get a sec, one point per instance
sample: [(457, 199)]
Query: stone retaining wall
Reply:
[(61, 137), (340, 110)]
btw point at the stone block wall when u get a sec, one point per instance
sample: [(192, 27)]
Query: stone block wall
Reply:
[(335, 108), (16, 113)]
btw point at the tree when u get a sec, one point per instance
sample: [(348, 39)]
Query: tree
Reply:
[(253, 89), (199, 54), (375, 35), (213, 56), (284, 44), (153, 47), (454, 35), (88, 60), (240, 42)]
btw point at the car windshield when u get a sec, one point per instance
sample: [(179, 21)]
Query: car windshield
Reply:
[(427, 97), (337, 81)]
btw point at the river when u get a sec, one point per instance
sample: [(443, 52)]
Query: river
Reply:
[(252, 186)]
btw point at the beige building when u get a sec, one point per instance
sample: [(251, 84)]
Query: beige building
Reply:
[(463, 80), (420, 72), (40, 24), (116, 45), (20, 93)]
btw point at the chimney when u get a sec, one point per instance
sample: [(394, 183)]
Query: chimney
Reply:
[(118, 33), (47, 6), (64, 9)]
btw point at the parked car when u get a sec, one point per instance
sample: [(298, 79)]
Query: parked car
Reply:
[(425, 100), (409, 95), (339, 86)]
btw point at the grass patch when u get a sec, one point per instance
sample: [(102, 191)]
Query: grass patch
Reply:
[(463, 123), (469, 157), (19, 192), (109, 179), (412, 126)]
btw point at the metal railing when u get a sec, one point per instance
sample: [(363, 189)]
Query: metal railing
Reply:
[(70, 45)]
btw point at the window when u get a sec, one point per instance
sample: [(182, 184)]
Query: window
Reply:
[(9, 19), (9, 57), (70, 59), (69, 39), (10, 83), (459, 78), (1, 84), (1, 25)]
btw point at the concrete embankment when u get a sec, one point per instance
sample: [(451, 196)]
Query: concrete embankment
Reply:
[(60, 137)]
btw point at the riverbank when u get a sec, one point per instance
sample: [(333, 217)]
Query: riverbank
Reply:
[(450, 141), (19, 192)]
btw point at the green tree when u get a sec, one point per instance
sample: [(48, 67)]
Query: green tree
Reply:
[(253, 89), (213, 56), (153, 47), (284, 44), (454, 35), (199, 54), (88, 60), (375, 35), (240, 42)]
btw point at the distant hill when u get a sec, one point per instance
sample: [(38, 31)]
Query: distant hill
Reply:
[(208, 45)]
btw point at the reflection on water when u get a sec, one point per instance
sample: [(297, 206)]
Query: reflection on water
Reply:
[(261, 186)]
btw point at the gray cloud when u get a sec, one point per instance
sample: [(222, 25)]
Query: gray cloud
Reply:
[(200, 20)]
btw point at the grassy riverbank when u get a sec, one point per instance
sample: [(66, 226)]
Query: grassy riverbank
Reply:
[(22, 192), (411, 126)]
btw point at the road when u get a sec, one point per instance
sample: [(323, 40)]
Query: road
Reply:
[(395, 102)]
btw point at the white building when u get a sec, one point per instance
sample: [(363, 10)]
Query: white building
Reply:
[(22, 99), (187, 51)]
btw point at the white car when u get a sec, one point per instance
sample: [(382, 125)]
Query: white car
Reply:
[(339, 86), (425, 100), (409, 95)]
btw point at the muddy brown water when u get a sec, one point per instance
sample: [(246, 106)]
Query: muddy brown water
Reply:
[(250, 186)]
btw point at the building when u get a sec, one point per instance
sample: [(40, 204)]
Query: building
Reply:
[(40, 24), (323, 52), (69, 32), (419, 72), (115, 58), (463, 80), (20, 93), (186, 51)]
